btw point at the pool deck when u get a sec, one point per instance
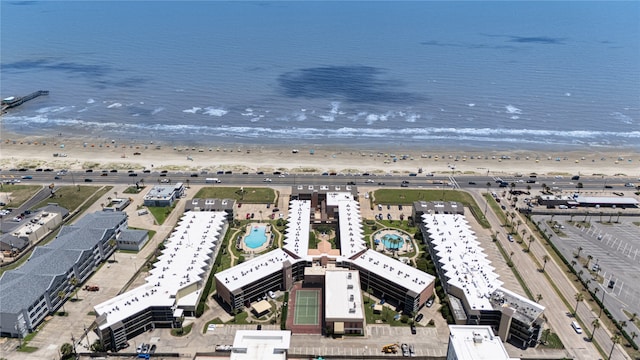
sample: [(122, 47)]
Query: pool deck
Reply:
[(406, 247), (262, 247)]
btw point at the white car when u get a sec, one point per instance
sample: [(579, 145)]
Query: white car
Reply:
[(630, 185), (266, 180), (272, 294)]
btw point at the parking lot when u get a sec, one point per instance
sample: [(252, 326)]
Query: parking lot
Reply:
[(615, 257)]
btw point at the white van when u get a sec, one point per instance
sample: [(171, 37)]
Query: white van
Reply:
[(576, 327)]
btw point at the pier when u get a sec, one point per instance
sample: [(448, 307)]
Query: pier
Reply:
[(13, 101)]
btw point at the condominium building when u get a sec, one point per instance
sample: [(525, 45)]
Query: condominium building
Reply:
[(476, 295), (41, 285), (174, 286)]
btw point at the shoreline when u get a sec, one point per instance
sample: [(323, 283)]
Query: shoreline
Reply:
[(100, 153)]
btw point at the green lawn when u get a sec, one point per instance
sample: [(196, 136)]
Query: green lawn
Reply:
[(18, 193), (250, 195), (71, 197), (160, 213), (408, 197)]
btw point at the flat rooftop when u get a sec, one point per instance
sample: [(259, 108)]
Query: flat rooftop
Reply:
[(296, 238), (261, 345), (351, 233), (185, 260), (464, 263), (393, 270), (342, 295), (162, 192), (252, 270), (476, 342)]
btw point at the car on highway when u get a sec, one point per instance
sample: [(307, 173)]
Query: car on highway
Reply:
[(27, 177), (472, 182), (266, 180), (88, 180), (133, 174), (381, 183), (576, 327), (630, 185)]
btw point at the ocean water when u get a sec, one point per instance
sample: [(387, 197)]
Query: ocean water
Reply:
[(504, 75)]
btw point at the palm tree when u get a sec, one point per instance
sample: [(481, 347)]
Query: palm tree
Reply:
[(601, 216), (616, 340), (545, 258), (112, 243), (573, 263), (524, 231), (618, 219), (571, 218), (61, 295), (511, 255), (579, 251), (589, 258), (633, 317), (518, 225), (66, 350), (633, 335), (74, 282), (596, 325), (545, 334), (579, 297), (538, 298), (531, 238)]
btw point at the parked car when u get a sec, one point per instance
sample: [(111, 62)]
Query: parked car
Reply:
[(413, 329), (419, 317), (429, 302)]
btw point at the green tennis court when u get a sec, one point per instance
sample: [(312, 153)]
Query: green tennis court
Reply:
[(306, 311)]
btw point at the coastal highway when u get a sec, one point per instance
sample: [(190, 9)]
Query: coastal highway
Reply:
[(605, 185)]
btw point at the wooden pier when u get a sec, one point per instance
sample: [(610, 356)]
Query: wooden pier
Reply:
[(11, 102)]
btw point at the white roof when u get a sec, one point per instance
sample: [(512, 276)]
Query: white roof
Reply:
[(335, 197), (162, 191), (351, 233), (393, 270), (342, 296), (606, 200), (184, 261), (476, 342), (463, 260), (237, 277), (296, 239), (261, 344)]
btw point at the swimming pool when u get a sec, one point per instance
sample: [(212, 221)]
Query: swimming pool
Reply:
[(257, 237), (392, 241)]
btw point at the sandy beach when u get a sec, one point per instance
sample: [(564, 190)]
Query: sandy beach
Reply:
[(86, 153)]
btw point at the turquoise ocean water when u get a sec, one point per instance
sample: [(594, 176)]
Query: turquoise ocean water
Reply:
[(409, 74)]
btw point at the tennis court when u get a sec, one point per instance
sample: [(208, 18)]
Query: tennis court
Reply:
[(306, 307)]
